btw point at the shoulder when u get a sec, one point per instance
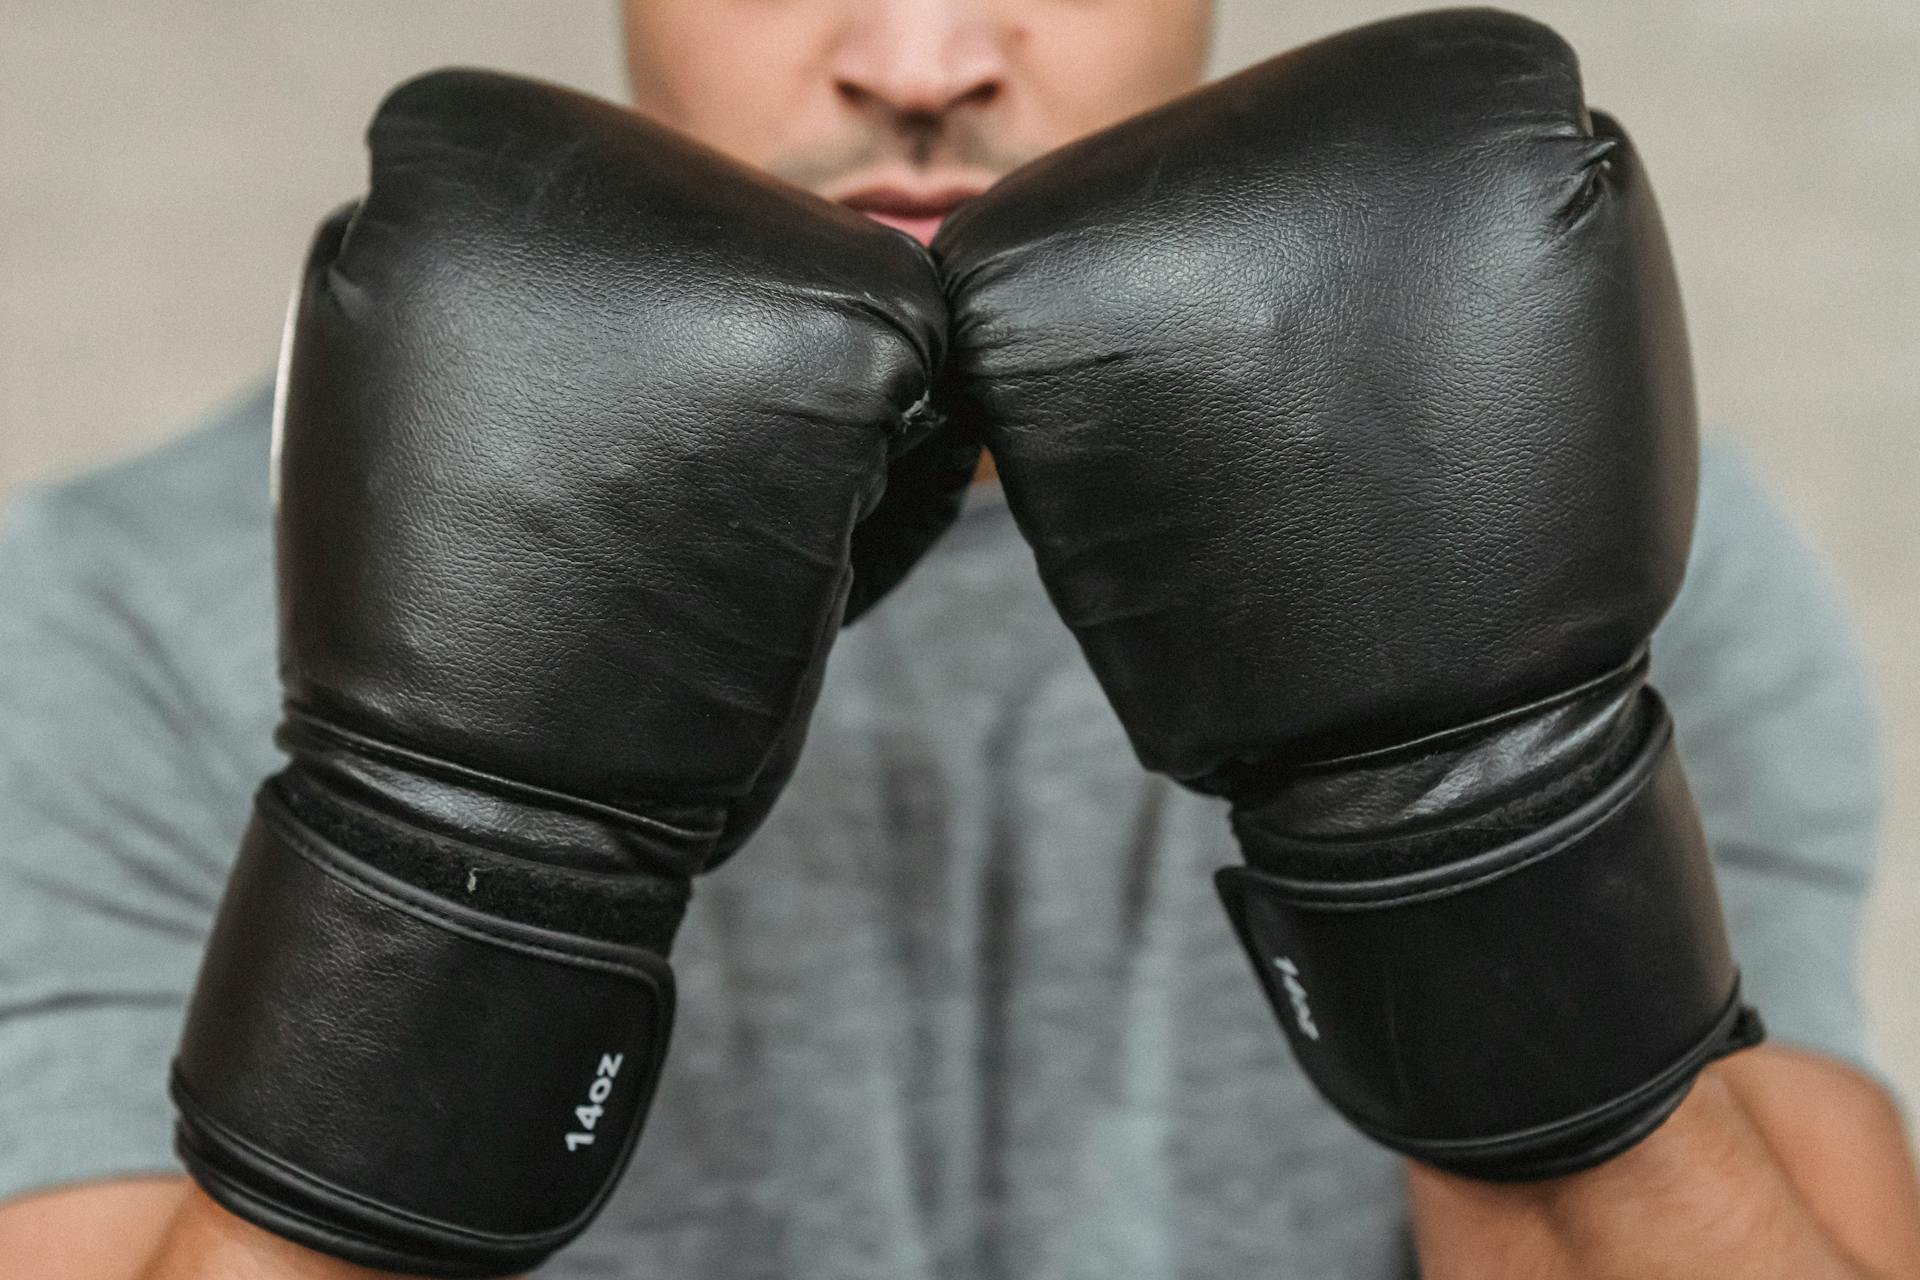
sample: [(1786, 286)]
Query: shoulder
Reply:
[(1761, 617), (1759, 659), (1748, 551), (181, 507), (178, 539), (144, 586)]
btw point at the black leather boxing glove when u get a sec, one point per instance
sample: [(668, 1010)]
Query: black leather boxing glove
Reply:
[(1346, 404), (579, 425)]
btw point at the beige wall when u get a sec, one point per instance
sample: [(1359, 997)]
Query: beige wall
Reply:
[(162, 160)]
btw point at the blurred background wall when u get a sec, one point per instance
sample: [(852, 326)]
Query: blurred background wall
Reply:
[(161, 162)]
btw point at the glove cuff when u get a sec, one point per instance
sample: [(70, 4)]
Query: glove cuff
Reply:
[(385, 1075), (1524, 1013)]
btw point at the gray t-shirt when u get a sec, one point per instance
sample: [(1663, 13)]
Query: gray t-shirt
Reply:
[(965, 1008)]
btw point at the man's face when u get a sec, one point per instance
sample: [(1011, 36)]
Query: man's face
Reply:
[(904, 108)]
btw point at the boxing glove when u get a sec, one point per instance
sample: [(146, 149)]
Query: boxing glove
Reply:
[(1346, 405), (578, 428)]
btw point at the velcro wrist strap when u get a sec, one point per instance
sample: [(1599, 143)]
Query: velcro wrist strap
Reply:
[(381, 1074), (1528, 1012)]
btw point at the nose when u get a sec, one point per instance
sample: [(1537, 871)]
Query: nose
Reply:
[(919, 61)]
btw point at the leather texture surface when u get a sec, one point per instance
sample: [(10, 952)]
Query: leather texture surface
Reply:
[(582, 446), (1531, 964), (578, 424), (414, 1084), (1346, 404)]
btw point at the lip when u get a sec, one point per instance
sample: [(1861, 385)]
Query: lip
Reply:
[(916, 210)]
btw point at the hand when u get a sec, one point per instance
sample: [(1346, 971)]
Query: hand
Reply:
[(1780, 1164), (205, 1242), (579, 424), (1346, 404)]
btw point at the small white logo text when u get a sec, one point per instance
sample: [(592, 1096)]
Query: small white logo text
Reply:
[(1297, 994), (597, 1094)]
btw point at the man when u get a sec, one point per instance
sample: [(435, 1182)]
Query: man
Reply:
[(966, 1007)]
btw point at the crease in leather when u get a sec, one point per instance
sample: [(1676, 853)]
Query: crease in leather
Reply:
[(481, 919), (310, 734), (616, 906), (1368, 875), (1454, 797)]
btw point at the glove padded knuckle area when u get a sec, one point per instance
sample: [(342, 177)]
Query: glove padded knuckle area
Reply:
[(387, 1076)]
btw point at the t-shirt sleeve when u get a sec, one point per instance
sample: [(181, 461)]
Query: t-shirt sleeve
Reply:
[(1775, 724), (133, 639)]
